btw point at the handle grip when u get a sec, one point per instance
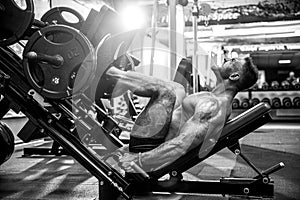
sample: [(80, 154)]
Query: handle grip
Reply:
[(56, 60), (141, 174), (272, 169), (139, 170)]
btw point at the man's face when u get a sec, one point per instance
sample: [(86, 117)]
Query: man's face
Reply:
[(228, 67)]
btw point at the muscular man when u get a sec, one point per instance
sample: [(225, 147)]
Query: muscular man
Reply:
[(175, 123)]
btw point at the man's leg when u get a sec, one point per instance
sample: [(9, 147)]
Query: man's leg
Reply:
[(153, 122)]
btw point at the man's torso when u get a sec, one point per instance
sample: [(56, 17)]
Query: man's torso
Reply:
[(186, 109)]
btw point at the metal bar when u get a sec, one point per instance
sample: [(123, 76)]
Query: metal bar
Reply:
[(172, 36), (250, 163), (195, 50), (236, 186), (153, 35), (43, 151), (272, 169)]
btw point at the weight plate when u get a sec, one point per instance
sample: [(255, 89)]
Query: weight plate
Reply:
[(14, 21), (7, 143), (78, 64), (108, 52), (56, 15)]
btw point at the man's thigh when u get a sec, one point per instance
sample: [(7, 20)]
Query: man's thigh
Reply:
[(154, 121)]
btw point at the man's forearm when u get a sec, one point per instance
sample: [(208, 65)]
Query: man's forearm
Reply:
[(173, 149), (163, 155)]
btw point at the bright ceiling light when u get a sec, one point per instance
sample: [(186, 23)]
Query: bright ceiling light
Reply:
[(133, 17), (284, 61)]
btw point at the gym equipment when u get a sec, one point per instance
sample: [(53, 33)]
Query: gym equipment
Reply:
[(235, 103), (7, 143), (69, 122), (285, 85), (55, 16), (296, 84), (98, 24), (271, 59), (265, 86), (14, 21), (54, 57), (266, 100), (245, 103), (254, 102), (109, 52), (254, 87), (287, 102), (183, 74), (275, 85), (260, 185), (296, 102), (276, 102), (195, 14), (112, 184), (18, 91)]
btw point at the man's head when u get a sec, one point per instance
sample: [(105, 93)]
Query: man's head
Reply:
[(240, 74)]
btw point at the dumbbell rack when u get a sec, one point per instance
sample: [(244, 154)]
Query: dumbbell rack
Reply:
[(280, 113)]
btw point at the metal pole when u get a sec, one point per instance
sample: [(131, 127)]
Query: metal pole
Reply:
[(153, 35), (208, 68), (172, 36), (195, 50)]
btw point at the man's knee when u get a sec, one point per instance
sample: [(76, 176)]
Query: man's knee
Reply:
[(173, 91), (168, 93), (114, 72), (180, 90)]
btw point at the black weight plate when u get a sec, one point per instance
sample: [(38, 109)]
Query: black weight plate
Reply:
[(7, 143), (14, 21), (56, 14), (73, 75), (107, 53)]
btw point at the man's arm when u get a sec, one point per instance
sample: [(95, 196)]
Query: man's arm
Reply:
[(204, 122)]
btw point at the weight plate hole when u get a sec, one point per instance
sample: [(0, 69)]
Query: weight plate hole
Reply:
[(70, 17), (20, 4), (59, 37)]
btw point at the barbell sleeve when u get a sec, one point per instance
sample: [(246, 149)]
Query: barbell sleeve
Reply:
[(55, 60), (39, 23)]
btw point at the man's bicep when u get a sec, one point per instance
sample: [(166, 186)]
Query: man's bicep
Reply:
[(205, 110), (205, 122), (192, 134)]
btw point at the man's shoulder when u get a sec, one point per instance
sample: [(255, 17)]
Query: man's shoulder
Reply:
[(201, 97), (202, 104), (208, 104)]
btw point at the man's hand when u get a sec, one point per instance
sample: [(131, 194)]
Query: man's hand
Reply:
[(126, 161)]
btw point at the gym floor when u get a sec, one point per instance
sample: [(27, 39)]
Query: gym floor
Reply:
[(61, 177)]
